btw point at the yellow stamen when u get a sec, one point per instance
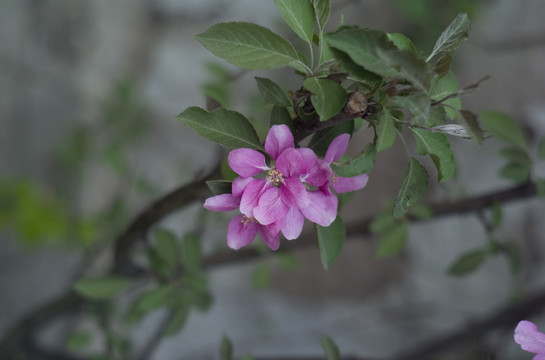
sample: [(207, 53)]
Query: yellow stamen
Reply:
[(275, 177)]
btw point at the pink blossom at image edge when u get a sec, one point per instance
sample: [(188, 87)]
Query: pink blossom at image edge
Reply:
[(530, 339)]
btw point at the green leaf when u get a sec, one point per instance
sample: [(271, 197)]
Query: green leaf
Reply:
[(280, 115), (261, 276), (192, 252), (541, 149), (386, 133), (328, 97), (393, 240), (414, 183), (497, 216), (155, 298), (248, 357), (382, 223), (248, 45), (421, 211), (322, 9), (376, 53), (417, 104), (228, 128), (272, 92), (330, 348), (517, 155), (177, 320), (320, 141), (503, 127), (467, 263), (540, 185), (402, 42), (102, 288), (442, 66), (358, 165), (226, 172), (453, 36), (443, 86), (287, 261), (219, 187), (438, 148), (469, 121), (512, 252), (167, 248), (299, 15), (518, 173), (330, 241), (78, 340), (226, 348), (367, 78)]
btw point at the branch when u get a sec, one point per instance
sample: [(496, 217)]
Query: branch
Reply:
[(305, 128)]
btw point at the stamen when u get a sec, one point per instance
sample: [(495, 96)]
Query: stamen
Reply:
[(333, 179), (245, 220), (275, 177)]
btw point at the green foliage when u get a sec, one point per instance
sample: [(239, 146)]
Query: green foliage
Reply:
[(328, 97), (454, 35), (299, 15), (280, 115), (322, 10), (442, 66), (386, 132), (417, 104), (518, 165), (414, 183), (503, 127), (177, 320), (192, 253), (360, 164), (392, 239), (166, 246), (497, 216), (540, 185), (470, 123), (78, 340), (261, 276), (330, 241), (440, 88), (438, 148), (467, 262), (228, 128), (226, 348), (219, 187), (102, 288), (402, 42), (541, 149), (320, 141), (249, 46), (330, 348), (272, 92)]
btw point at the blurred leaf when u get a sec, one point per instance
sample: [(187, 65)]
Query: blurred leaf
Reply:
[(414, 183), (102, 288), (497, 216), (382, 223), (376, 53), (192, 252), (320, 141), (442, 66), (420, 211), (440, 88), (167, 248), (330, 241), (176, 320), (78, 340), (438, 148), (330, 348), (299, 15), (467, 263), (402, 42), (512, 252), (219, 187), (248, 357), (541, 149), (226, 172), (386, 132), (228, 128), (540, 185), (454, 35), (261, 276), (503, 127), (280, 115), (272, 92), (248, 45), (393, 240), (517, 155), (361, 164), (469, 120), (226, 348), (287, 260), (328, 97), (155, 298), (516, 172), (322, 9)]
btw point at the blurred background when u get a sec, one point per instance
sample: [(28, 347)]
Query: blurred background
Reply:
[(88, 95)]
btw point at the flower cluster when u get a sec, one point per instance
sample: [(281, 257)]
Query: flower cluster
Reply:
[(530, 339), (276, 198)]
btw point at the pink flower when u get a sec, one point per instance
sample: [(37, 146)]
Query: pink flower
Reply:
[(530, 339), (281, 194), (242, 229)]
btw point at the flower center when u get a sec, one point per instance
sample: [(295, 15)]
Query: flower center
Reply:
[(275, 177), (245, 220), (333, 179)]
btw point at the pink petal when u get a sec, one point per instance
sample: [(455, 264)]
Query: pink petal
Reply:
[(292, 225), (247, 162), (270, 239), (250, 196), (322, 209), (539, 357), (319, 174), (294, 193), (240, 232), (290, 162), (337, 148), (309, 159), (343, 185), (270, 208), (223, 202), (239, 185), (529, 338), (278, 140)]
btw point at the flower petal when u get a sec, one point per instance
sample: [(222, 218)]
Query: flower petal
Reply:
[(337, 148), (240, 232), (309, 160), (239, 185), (223, 202), (270, 208), (269, 237), (292, 225), (319, 174), (289, 163), (529, 338), (343, 185), (250, 196), (247, 162), (322, 209), (294, 193), (278, 139)]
